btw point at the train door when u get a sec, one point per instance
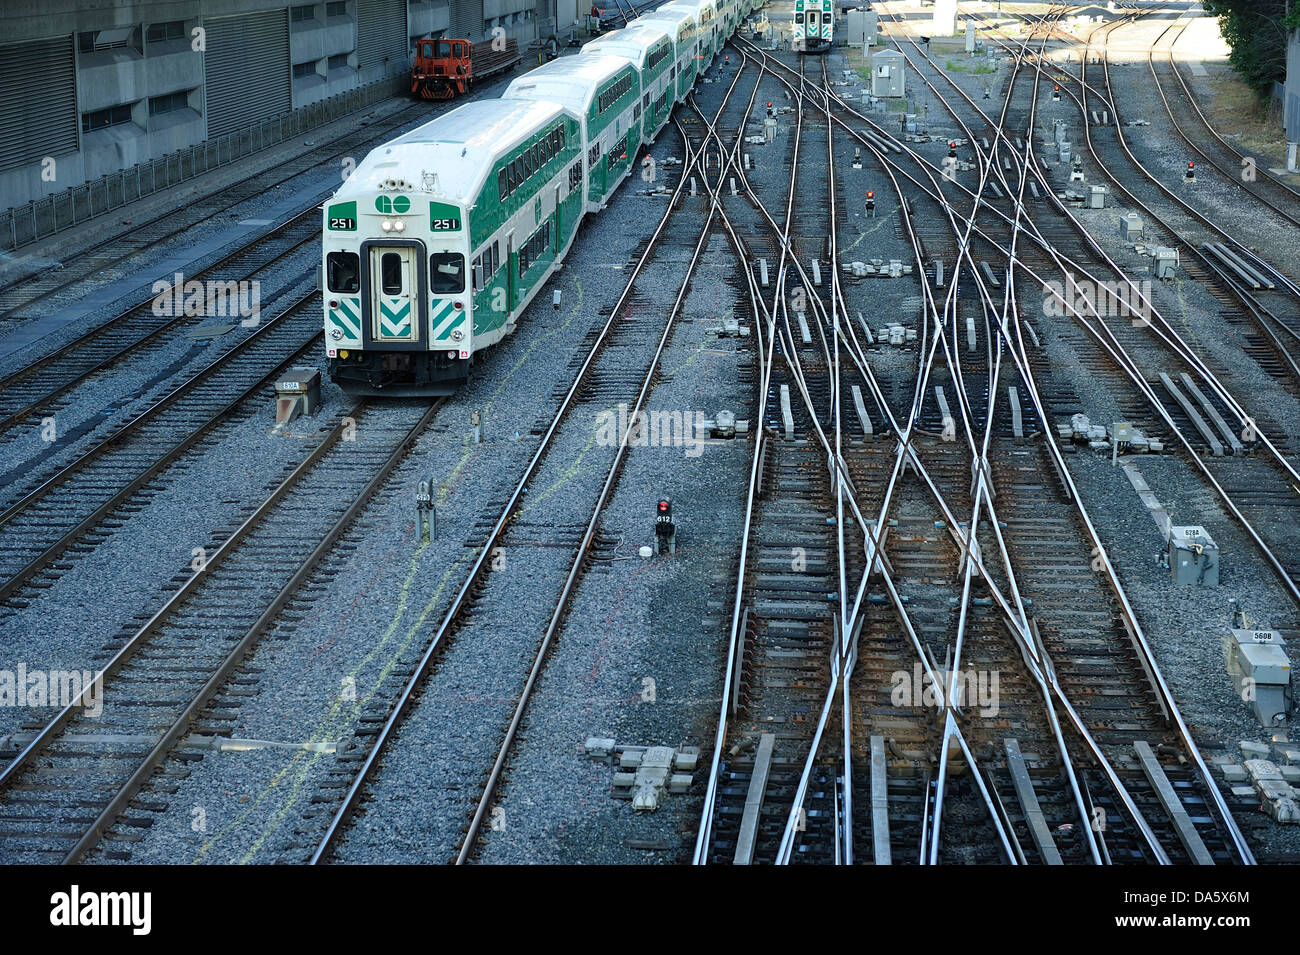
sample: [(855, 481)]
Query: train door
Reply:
[(512, 283), (559, 221), (394, 294)]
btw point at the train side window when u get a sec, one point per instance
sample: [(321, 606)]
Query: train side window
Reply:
[(390, 270), (538, 159), (476, 272), (496, 257), (344, 271), (446, 272), (501, 184)]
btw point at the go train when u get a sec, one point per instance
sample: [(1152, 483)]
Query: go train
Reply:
[(814, 26), (440, 239)]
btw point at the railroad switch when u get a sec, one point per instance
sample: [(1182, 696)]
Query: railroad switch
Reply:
[(725, 425), (1261, 671), (1193, 556), (297, 393), (731, 328), (665, 529), (646, 772)]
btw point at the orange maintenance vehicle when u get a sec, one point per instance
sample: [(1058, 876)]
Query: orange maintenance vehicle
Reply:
[(444, 69)]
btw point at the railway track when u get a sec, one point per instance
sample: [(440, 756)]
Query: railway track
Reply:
[(621, 362), (50, 507), (138, 332), (72, 781), (920, 795)]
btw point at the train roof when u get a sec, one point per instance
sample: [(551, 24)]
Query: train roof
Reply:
[(670, 11), (449, 157), (635, 38), (694, 6), (571, 80)]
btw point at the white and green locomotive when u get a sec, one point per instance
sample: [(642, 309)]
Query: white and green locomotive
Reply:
[(814, 26), (440, 239)]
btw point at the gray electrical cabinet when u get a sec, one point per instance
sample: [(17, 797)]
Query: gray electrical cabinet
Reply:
[(887, 73), (860, 28), (1193, 556), (1261, 672)]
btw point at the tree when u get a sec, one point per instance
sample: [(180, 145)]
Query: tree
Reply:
[(1257, 31)]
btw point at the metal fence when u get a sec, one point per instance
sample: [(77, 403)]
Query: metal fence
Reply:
[(46, 216)]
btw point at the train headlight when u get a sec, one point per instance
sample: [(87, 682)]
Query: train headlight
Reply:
[(457, 335), (343, 353), (399, 225), (336, 333), (386, 225), (452, 354)]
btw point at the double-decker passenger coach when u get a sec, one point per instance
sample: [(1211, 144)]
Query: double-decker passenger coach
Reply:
[(440, 239), (814, 25)]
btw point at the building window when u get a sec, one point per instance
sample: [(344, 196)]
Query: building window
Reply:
[(96, 41), (301, 12), (169, 103), (304, 69), (336, 8), (339, 61), (103, 118), (161, 32)]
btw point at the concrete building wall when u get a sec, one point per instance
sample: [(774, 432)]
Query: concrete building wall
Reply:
[(138, 99)]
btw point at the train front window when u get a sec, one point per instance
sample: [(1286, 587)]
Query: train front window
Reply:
[(443, 50), (344, 272), (446, 272), (390, 267), (798, 18)]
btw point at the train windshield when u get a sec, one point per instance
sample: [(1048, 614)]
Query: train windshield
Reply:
[(446, 272), (344, 272), (443, 49)]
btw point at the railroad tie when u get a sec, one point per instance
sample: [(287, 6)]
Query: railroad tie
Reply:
[(786, 414), (1233, 441), (1029, 805), (1187, 834), (879, 802), (1216, 446), (804, 332), (862, 411), (754, 800), (1017, 419)]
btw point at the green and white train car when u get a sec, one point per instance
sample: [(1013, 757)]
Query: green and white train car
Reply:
[(681, 24), (651, 49), (605, 91), (814, 26), (440, 239), (708, 27)]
